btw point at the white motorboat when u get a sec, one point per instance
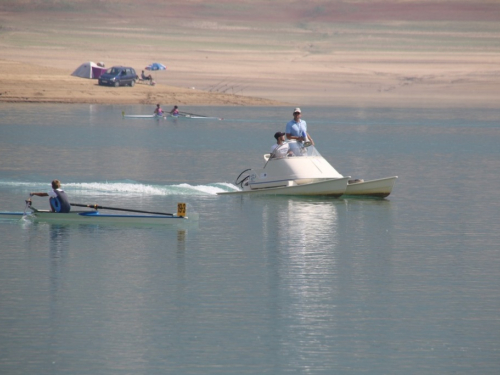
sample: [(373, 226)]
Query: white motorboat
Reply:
[(305, 172)]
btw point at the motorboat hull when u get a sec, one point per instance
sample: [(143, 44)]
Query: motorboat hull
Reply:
[(303, 171), (332, 187), (380, 188)]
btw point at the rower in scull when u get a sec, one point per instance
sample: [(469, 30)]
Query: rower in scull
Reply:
[(58, 199)]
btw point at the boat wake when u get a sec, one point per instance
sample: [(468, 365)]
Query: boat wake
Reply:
[(128, 187)]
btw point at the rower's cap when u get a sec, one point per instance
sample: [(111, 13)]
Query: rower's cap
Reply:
[(278, 134), (297, 110)]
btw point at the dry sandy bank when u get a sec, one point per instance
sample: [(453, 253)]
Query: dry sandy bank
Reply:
[(344, 53)]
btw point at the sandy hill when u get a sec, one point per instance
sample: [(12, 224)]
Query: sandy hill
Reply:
[(350, 52)]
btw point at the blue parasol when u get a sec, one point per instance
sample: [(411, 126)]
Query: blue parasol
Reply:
[(156, 66)]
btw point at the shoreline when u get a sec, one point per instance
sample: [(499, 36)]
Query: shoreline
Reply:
[(21, 82), (31, 83)]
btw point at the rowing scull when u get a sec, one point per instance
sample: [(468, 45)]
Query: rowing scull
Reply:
[(167, 116), (95, 216)]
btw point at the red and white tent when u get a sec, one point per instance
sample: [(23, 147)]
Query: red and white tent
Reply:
[(89, 70)]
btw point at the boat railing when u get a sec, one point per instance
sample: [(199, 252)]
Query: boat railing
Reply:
[(297, 149)]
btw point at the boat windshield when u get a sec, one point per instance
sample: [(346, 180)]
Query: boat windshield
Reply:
[(298, 149)]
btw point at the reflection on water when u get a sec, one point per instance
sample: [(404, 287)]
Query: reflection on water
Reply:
[(329, 253), (181, 241), (59, 238), (94, 283), (59, 245), (307, 271)]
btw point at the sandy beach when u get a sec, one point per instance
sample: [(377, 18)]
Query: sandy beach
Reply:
[(338, 53), (30, 83)]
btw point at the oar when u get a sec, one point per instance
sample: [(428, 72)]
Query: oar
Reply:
[(191, 114), (95, 206), (194, 115)]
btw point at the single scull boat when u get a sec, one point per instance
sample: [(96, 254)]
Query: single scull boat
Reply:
[(95, 216)]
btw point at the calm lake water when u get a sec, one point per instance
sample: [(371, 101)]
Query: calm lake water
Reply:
[(259, 285)]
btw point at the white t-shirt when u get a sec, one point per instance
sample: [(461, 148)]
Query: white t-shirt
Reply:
[(279, 151)]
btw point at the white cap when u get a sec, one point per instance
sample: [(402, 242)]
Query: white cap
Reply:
[(297, 110)]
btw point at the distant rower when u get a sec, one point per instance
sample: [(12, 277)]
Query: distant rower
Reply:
[(158, 110), (175, 111)]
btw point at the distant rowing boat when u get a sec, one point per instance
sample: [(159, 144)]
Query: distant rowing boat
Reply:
[(143, 116), (168, 115), (95, 216)]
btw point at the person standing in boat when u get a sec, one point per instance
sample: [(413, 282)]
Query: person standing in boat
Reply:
[(280, 149), (175, 111), (296, 129), (158, 110), (58, 199)]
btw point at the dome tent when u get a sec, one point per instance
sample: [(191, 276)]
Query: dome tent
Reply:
[(89, 70)]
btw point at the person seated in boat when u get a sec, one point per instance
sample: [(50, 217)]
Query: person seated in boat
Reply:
[(280, 149), (145, 77), (175, 111), (58, 199), (296, 129), (158, 110)]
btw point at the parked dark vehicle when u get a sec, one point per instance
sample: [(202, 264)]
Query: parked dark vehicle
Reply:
[(118, 76)]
